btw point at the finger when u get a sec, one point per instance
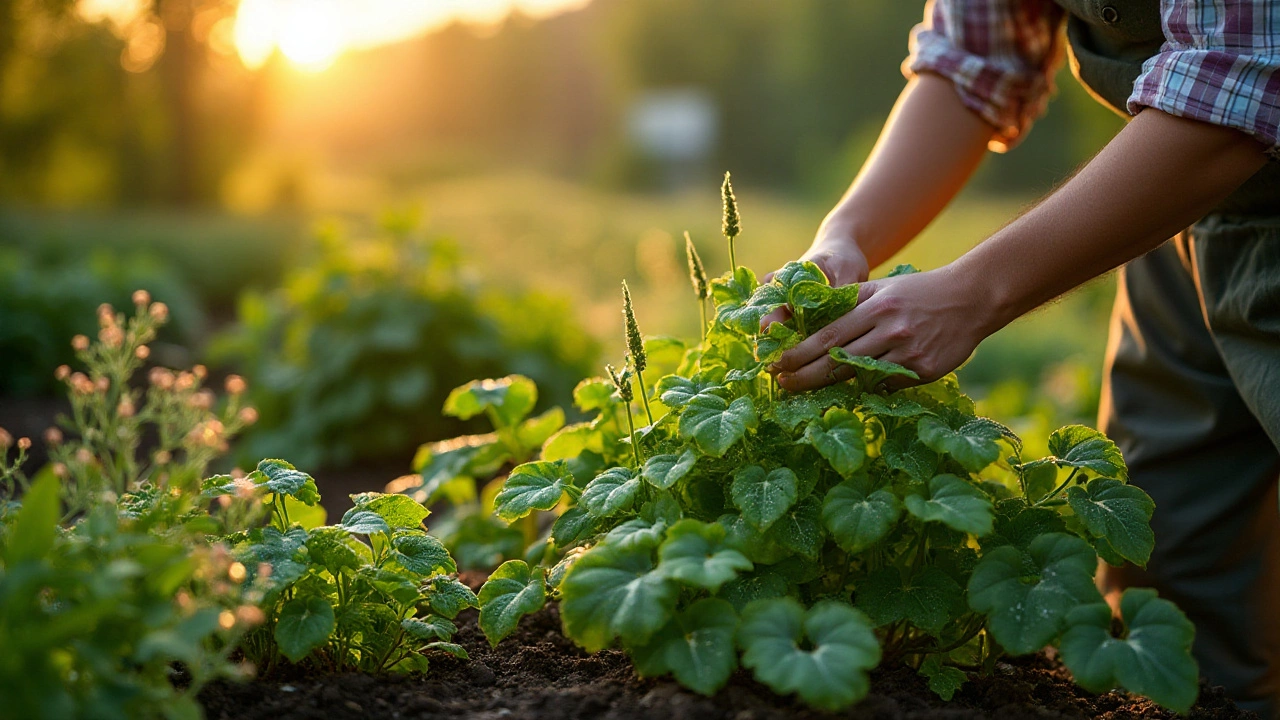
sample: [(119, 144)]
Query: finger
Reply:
[(900, 356), (844, 330), (825, 371), (782, 314)]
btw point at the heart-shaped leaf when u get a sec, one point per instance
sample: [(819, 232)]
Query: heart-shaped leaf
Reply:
[(666, 470), (697, 646), (303, 624), (745, 317), (929, 599), (676, 392), (823, 654), (511, 592), (799, 529), (611, 592), (1119, 513), (532, 486), (430, 627), (973, 447), (856, 520), (763, 497), (695, 553), (448, 597), (715, 424), (398, 511), (837, 435), (955, 503), (507, 400), (422, 554), (1152, 659), (364, 522), (611, 492), (1027, 596), (775, 340), (281, 478), (1083, 447), (870, 372)]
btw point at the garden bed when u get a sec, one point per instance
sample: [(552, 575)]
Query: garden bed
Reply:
[(538, 673)]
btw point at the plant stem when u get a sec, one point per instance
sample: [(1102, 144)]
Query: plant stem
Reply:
[(631, 428), (644, 395), (1054, 492), (733, 261), (702, 312)]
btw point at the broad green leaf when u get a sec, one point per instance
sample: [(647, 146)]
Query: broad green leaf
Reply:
[(895, 406), (532, 486), (796, 410), (868, 371), (447, 596), (1084, 447), (905, 453), (775, 340), (800, 529), (574, 525), (510, 593), (279, 477), (1119, 513), (364, 522), (422, 554), (824, 305), (572, 440), (695, 553), (666, 470), (615, 593), (509, 399), (468, 456), (928, 599), (593, 394), (758, 547), (1027, 595), (304, 624), (431, 627), (637, 533), (745, 317), (533, 432), (904, 269), (944, 680), (676, 392), (748, 374), (1152, 659), (974, 449), (453, 649), (823, 654), (36, 526), (763, 497), (837, 435), (955, 503), (715, 424), (798, 271), (856, 520), (399, 586), (1017, 524), (735, 288), (613, 491), (308, 516), (725, 350), (399, 511), (329, 547), (749, 587), (697, 646)]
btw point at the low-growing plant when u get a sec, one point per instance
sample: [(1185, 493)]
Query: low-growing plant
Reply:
[(810, 537), (371, 593)]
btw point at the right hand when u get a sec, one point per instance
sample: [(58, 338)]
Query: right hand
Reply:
[(836, 252)]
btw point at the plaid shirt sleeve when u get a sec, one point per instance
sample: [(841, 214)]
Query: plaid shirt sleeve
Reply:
[(1220, 64), (1001, 56)]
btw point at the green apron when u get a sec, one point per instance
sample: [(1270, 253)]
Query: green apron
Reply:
[(1191, 390)]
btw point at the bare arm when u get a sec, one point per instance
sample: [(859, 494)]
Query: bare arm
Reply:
[(1157, 176), (929, 147)]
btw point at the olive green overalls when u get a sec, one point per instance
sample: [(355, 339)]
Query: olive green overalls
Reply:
[(1191, 390)]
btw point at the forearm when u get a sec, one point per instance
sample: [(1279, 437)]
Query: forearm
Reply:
[(929, 147), (1159, 175)]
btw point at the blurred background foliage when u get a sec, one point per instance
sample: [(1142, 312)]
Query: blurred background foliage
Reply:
[(192, 147)]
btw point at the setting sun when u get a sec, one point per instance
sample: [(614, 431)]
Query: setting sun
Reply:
[(311, 34)]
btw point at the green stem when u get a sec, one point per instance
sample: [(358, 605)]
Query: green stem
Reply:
[(644, 395), (702, 312), (1054, 493), (733, 261), (631, 428)]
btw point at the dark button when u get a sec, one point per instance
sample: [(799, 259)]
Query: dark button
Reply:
[(1110, 15)]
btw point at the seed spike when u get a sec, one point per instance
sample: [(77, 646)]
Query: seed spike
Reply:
[(698, 277), (622, 381), (635, 347), (732, 222)]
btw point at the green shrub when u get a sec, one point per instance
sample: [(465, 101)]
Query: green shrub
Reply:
[(346, 355), (811, 537)]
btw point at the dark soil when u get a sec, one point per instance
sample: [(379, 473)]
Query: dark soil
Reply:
[(538, 673)]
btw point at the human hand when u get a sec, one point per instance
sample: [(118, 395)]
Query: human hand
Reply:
[(836, 252), (928, 322)]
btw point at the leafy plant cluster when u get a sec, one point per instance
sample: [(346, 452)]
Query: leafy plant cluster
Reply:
[(370, 593), (345, 354), (705, 519)]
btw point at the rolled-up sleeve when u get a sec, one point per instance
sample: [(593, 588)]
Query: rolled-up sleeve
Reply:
[(1001, 56), (1220, 64)]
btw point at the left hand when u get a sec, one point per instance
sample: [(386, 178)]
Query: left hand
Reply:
[(929, 322)]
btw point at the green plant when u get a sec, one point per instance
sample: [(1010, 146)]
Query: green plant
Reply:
[(823, 533), (125, 614), (332, 600), (345, 355)]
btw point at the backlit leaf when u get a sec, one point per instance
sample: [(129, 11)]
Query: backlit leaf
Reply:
[(870, 372), (666, 470), (303, 624), (611, 492), (1119, 513), (510, 593), (715, 424), (973, 448), (509, 399), (532, 486)]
